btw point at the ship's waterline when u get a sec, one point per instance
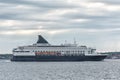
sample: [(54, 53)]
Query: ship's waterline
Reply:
[(43, 51)]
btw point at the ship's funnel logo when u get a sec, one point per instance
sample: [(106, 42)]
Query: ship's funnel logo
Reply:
[(41, 39)]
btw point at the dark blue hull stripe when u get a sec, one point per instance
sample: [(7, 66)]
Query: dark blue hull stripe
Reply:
[(58, 58)]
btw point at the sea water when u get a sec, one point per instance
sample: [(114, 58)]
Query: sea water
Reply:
[(88, 70)]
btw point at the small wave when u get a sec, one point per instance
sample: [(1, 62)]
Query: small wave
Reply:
[(2, 60)]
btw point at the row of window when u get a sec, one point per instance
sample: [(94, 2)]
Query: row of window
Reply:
[(89, 52), (58, 51), (21, 51), (59, 55), (82, 52)]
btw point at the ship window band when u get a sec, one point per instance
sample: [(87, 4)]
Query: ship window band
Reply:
[(21, 51)]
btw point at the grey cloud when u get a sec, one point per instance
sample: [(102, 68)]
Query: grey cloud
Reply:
[(43, 4), (107, 20), (116, 2), (104, 21), (13, 1)]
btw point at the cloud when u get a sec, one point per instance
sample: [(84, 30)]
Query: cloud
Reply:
[(41, 3), (91, 21), (116, 2)]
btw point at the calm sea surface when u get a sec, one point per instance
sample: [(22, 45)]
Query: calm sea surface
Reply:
[(103, 70)]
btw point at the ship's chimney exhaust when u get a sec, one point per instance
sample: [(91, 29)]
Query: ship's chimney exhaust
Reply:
[(41, 40)]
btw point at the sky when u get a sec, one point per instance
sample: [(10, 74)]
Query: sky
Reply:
[(94, 23)]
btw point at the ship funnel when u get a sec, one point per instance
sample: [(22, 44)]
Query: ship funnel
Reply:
[(41, 40)]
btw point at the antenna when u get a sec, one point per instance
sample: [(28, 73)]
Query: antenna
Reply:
[(65, 41), (74, 41)]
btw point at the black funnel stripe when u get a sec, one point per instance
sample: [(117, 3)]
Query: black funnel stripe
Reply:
[(41, 39)]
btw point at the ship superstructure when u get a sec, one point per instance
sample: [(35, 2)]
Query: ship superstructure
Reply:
[(43, 51)]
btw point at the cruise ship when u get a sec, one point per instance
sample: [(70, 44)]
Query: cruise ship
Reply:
[(43, 51)]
